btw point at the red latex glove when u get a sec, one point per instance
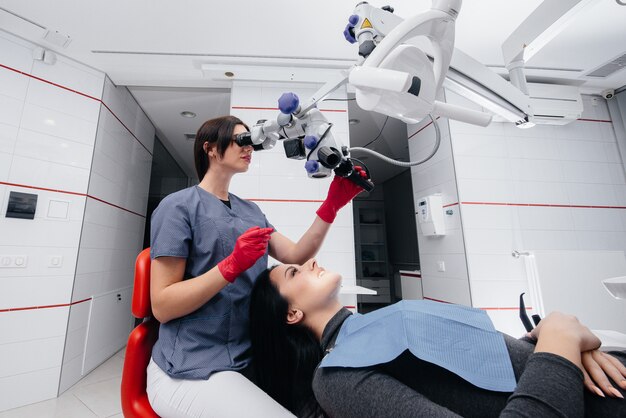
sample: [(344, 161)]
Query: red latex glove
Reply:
[(250, 246), (340, 192)]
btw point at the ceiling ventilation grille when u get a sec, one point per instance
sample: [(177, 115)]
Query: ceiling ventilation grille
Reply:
[(190, 137), (609, 68)]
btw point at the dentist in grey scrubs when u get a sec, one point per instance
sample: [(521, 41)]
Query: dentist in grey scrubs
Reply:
[(207, 248)]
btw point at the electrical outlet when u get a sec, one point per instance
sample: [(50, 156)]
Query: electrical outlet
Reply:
[(13, 261), (55, 261), (441, 266)]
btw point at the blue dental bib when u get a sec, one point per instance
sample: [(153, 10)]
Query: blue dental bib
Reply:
[(460, 339)]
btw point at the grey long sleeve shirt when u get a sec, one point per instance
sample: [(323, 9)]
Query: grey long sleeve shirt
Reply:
[(548, 386)]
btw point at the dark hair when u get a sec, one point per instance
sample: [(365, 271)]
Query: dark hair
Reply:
[(214, 131), (284, 356)]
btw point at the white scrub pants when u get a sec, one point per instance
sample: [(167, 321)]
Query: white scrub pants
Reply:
[(224, 395)]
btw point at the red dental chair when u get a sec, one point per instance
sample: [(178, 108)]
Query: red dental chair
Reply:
[(140, 341)]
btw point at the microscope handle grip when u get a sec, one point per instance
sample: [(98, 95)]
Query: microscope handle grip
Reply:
[(356, 178)]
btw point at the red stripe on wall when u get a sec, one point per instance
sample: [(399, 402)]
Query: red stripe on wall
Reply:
[(115, 206), (125, 127), (287, 200), (77, 92), (450, 204), (423, 127), (71, 193), (30, 308), (42, 188), (528, 308), (275, 108), (544, 205), (50, 82), (436, 300), (89, 97), (410, 275)]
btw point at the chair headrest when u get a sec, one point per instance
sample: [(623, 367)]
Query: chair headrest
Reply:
[(141, 307)]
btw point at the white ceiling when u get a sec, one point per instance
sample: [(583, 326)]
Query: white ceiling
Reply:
[(157, 48), (164, 104)]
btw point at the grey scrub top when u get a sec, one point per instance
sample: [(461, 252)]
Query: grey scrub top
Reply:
[(196, 225)]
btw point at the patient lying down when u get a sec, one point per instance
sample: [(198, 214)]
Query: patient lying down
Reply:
[(420, 358)]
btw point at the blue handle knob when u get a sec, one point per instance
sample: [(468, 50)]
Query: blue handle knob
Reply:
[(311, 166), (288, 103), (310, 141)]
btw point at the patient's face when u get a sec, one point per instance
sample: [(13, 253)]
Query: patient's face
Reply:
[(306, 287)]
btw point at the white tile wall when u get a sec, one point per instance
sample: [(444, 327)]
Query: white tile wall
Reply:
[(120, 102), (112, 229), (42, 231), (52, 149), (51, 138), (46, 141), (11, 108), (108, 326), (65, 101), (569, 166), (20, 326), (50, 289), (46, 174), (503, 321), (8, 131), (537, 170), (548, 240), (30, 356), (5, 166), (72, 75), (273, 176), (58, 124), (532, 217), (17, 54), (487, 294), (500, 267), (447, 289), (121, 168), (488, 240), (438, 176), (27, 388)]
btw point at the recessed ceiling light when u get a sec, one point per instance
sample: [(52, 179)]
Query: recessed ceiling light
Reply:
[(187, 114), (354, 121), (229, 74)]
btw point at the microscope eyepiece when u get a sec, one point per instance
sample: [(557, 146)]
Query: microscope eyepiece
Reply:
[(243, 139)]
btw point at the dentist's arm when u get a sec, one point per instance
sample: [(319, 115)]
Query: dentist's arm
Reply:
[(340, 193), (173, 297)]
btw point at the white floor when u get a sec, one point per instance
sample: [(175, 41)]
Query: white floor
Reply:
[(97, 395)]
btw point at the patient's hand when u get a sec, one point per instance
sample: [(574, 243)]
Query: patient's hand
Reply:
[(557, 325), (597, 368)]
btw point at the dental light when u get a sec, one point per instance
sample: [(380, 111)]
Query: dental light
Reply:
[(396, 78)]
